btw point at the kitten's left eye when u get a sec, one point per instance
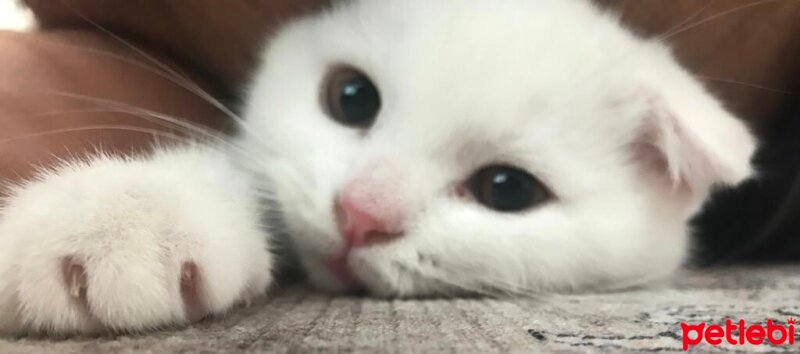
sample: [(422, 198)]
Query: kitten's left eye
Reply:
[(507, 189), (351, 98)]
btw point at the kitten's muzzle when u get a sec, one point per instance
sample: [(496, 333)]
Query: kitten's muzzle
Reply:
[(361, 227), (369, 211)]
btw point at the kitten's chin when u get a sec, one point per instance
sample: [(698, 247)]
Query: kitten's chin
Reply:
[(332, 276), (357, 276), (397, 277)]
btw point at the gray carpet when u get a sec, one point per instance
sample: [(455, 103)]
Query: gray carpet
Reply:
[(647, 320)]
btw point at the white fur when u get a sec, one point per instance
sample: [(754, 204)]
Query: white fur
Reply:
[(13, 17), (132, 224), (627, 141)]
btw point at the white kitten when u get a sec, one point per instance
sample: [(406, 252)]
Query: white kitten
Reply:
[(412, 147)]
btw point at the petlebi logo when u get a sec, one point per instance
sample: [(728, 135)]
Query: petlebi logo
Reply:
[(739, 333)]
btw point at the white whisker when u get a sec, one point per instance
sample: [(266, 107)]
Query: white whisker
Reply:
[(161, 119), (742, 83), (687, 20), (182, 81), (154, 132), (717, 16)]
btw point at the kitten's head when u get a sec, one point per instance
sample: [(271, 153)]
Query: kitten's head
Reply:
[(426, 147)]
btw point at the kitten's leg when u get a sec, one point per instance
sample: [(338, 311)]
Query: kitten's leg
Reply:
[(130, 244)]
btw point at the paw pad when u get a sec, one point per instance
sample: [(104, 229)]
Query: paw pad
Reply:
[(190, 291), (74, 277)]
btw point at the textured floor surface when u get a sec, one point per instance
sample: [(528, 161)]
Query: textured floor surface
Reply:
[(630, 322)]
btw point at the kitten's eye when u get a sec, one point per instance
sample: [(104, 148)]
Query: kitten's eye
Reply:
[(507, 189), (351, 98)]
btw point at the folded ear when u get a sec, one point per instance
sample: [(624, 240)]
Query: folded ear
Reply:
[(686, 136)]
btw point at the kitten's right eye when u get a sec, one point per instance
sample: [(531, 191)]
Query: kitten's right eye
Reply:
[(351, 98), (507, 189)]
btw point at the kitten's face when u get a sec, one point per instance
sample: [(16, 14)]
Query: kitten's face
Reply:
[(428, 147)]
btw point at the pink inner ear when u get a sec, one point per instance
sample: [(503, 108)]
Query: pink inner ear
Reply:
[(666, 148)]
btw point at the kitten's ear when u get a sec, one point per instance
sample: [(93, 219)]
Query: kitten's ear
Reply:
[(686, 137)]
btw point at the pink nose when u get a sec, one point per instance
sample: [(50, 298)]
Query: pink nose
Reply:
[(362, 224)]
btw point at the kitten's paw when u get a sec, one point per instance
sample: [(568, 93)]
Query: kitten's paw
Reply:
[(125, 245)]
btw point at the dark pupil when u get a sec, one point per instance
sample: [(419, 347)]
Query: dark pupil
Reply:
[(510, 190), (359, 101), (507, 189)]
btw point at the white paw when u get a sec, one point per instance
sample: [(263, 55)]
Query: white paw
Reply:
[(130, 245)]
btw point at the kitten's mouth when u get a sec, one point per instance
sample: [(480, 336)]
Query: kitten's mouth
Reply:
[(338, 264), (341, 270)]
